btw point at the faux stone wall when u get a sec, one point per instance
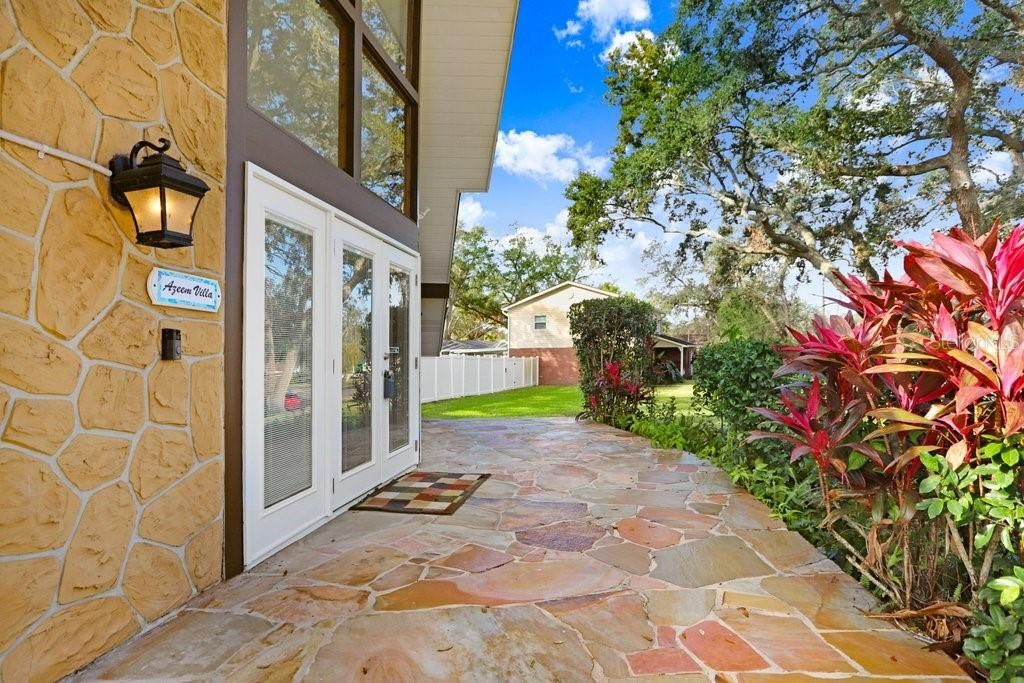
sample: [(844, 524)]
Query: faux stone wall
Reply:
[(111, 461)]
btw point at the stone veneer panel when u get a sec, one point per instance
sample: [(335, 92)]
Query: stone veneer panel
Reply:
[(154, 32), (161, 458), (126, 335), (98, 548), (79, 338), (91, 460), (22, 198), (36, 102), (33, 362), (37, 510), (16, 256), (78, 262), (112, 398), (119, 78), (155, 581), (28, 587), (40, 424)]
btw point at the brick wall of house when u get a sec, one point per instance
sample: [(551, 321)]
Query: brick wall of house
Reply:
[(556, 366)]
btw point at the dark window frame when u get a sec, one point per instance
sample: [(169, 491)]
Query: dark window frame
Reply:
[(357, 39)]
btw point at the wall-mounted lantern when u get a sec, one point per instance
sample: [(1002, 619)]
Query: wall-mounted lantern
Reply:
[(161, 196)]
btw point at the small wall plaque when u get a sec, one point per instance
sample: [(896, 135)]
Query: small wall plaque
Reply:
[(183, 290)]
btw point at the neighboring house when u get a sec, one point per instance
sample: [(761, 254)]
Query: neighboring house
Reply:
[(335, 138), (539, 326), (474, 347), (678, 352)]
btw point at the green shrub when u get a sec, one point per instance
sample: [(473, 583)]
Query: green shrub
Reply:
[(996, 640), (613, 340), (732, 377)]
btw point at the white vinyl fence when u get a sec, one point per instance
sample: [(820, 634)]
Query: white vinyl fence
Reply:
[(455, 376)]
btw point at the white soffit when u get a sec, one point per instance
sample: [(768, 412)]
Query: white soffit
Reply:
[(464, 53)]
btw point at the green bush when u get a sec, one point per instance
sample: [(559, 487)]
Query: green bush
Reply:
[(613, 340), (997, 638), (732, 377)]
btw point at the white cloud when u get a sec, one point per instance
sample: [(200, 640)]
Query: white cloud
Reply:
[(572, 28), (471, 212), (607, 15), (574, 88), (556, 229), (999, 165), (544, 158), (621, 42), (575, 43)]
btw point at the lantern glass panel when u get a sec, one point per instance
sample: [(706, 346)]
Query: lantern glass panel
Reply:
[(180, 209), (146, 208)]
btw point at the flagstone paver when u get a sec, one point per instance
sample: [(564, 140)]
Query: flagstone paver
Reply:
[(588, 555)]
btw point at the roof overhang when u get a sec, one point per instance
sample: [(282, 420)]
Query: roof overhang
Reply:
[(663, 340), (465, 46), (596, 291)]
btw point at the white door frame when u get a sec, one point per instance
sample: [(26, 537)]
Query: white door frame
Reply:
[(405, 458), (265, 531)]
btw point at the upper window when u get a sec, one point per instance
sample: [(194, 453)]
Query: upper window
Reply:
[(540, 322), (295, 75), (303, 75), (389, 21), (383, 136)]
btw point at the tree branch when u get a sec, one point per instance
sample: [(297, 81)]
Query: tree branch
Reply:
[(936, 163), (1012, 14)]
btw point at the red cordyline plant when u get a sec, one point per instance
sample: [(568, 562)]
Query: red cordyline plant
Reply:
[(926, 363), (615, 397)]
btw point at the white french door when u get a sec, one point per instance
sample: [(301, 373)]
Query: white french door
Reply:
[(331, 356), (377, 322)]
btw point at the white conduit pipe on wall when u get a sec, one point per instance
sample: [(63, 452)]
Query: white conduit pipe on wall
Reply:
[(45, 150)]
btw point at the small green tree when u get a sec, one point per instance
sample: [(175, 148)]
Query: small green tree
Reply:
[(732, 377), (614, 346), (488, 274)]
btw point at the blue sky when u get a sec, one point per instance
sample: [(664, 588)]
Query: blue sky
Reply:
[(556, 121)]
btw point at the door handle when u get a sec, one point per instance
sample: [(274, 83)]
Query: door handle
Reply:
[(389, 385)]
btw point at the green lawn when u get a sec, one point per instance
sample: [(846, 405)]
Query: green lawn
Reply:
[(543, 401)]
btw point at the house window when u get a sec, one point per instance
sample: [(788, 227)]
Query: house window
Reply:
[(540, 322), (383, 136), (390, 23), (340, 77), (296, 79)]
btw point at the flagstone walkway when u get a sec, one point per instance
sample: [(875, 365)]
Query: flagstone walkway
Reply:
[(588, 555)]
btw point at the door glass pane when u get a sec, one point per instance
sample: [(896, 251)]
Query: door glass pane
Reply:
[(356, 360), (294, 74), (287, 359), (389, 22), (383, 137), (399, 358)]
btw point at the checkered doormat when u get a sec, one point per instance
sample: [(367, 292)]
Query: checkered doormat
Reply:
[(432, 493)]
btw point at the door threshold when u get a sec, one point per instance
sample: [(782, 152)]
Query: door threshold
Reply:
[(316, 524)]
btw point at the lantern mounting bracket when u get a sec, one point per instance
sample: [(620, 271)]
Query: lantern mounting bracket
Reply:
[(125, 162)]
